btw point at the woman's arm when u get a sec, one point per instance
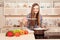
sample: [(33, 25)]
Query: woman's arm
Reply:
[(40, 22), (43, 26)]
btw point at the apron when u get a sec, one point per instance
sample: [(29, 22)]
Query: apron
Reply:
[(35, 24)]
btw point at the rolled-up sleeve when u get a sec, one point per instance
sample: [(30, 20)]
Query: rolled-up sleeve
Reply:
[(28, 16)]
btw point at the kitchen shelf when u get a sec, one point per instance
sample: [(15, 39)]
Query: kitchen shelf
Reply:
[(14, 15), (51, 15), (46, 8), (26, 15)]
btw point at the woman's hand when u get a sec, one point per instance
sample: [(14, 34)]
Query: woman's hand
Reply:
[(25, 21), (43, 26)]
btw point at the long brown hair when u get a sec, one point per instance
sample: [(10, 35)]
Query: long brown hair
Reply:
[(32, 22)]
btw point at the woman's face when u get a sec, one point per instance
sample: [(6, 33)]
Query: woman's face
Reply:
[(36, 9)]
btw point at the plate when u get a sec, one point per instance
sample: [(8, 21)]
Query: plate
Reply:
[(40, 29)]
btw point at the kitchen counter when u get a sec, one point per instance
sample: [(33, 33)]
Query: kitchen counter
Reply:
[(22, 37), (29, 36), (53, 32)]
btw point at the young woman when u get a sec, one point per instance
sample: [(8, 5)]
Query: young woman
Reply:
[(35, 19)]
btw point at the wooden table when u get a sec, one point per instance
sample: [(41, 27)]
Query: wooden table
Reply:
[(39, 33)]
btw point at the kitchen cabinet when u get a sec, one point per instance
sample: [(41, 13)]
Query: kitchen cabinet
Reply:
[(21, 8)]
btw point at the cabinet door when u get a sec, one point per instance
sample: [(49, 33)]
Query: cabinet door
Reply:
[(2, 20), (57, 7)]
